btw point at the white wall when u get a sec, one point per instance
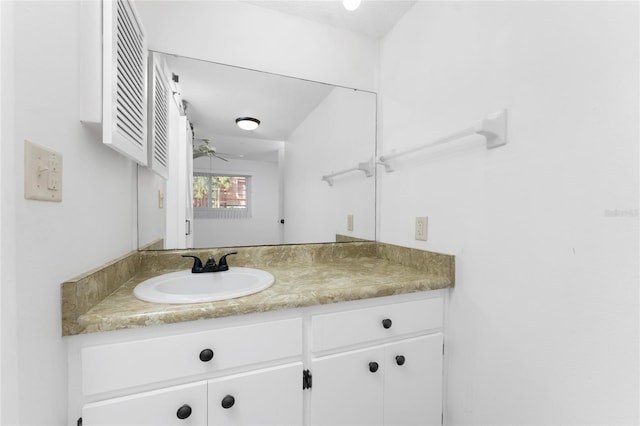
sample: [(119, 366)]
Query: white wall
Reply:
[(44, 244), (152, 225), (544, 316), (8, 332), (337, 135), (241, 34), (263, 227)]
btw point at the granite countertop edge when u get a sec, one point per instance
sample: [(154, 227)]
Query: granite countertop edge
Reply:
[(296, 286)]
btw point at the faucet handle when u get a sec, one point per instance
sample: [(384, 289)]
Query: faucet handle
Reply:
[(197, 263), (223, 260)]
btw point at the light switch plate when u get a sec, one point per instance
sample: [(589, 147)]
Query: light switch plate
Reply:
[(42, 173)]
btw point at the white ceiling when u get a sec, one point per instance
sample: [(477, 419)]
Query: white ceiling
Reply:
[(217, 94), (374, 18)]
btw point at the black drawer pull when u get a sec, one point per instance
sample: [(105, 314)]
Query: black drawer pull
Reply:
[(386, 323), (206, 355), (228, 401), (184, 412)]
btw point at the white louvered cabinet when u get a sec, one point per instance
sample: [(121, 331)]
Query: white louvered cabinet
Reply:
[(113, 75), (158, 117)]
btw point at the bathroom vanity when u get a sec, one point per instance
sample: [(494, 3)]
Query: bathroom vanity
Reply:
[(317, 348)]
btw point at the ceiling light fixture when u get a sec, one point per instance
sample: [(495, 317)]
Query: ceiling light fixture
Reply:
[(247, 123), (351, 4)]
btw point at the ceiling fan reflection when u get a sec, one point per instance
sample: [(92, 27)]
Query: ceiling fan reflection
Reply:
[(204, 149)]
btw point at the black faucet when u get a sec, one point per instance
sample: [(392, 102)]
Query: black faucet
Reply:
[(210, 265)]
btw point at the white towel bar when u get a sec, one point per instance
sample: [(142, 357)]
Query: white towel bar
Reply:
[(493, 128), (366, 167)]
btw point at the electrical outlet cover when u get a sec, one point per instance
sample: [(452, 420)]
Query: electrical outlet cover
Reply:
[(349, 222), (421, 228)]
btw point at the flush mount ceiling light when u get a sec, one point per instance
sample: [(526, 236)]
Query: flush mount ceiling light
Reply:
[(247, 123), (351, 4)]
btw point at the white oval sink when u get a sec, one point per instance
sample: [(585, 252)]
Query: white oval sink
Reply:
[(186, 287)]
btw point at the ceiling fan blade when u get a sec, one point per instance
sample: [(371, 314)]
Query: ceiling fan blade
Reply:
[(198, 154), (205, 149)]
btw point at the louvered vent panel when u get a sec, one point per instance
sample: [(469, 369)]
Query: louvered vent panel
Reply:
[(130, 76), (161, 121)]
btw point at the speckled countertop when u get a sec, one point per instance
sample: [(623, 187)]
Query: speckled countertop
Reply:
[(305, 275)]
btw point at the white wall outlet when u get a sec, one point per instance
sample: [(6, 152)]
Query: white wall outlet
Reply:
[(421, 228), (349, 222), (160, 199), (42, 173)]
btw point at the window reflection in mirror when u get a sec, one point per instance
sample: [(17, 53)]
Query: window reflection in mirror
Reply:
[(307, 130), (221, 196)]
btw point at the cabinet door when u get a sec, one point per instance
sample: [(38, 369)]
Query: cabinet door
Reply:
[(271, 396), (158, 117), (124, 88), (413, 381), (180, 405), (347, 388)]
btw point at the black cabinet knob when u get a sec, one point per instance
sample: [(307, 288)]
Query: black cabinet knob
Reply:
[(184, 412), (228, 401), (386, 323), (206, 355), (373, 366), (400, 359)]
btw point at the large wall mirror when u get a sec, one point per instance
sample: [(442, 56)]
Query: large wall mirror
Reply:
[(304, 175)]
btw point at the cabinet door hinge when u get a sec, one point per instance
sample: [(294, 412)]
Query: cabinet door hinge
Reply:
[(306, 379)]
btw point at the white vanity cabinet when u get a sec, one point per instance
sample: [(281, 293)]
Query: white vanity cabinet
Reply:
[(367, 362), (237, 375), (394, 374)]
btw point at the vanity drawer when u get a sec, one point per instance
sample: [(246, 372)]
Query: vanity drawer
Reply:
[(122, 365), (335, 330)]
